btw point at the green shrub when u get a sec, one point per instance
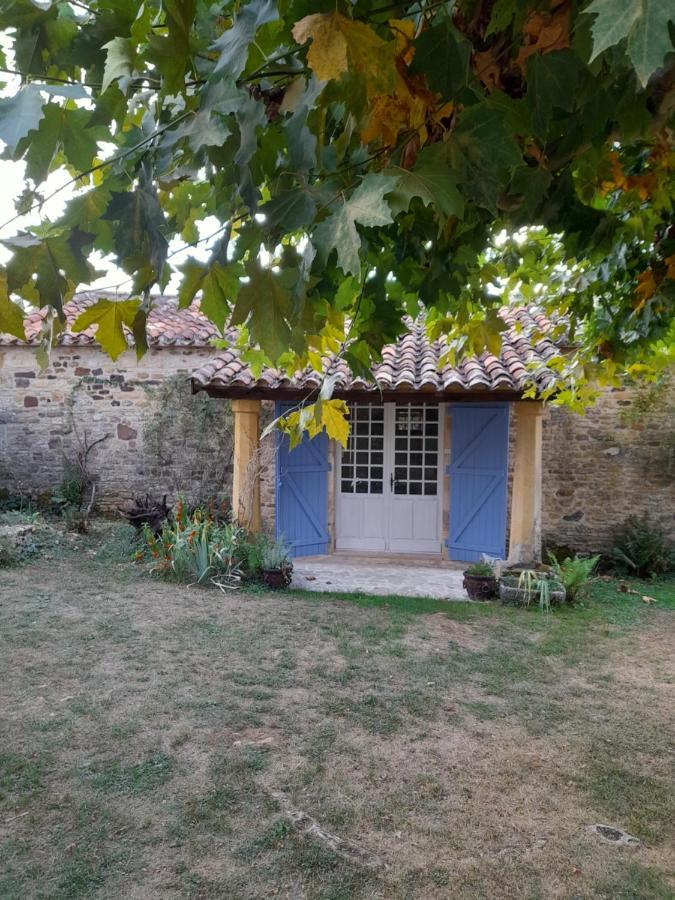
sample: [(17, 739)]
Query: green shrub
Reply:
[(255, 549), (482, 569), (573, 572), (276, 556), (69, 494), (196, 548), (642, 549)]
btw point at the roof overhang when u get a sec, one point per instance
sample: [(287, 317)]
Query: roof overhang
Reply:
[(361, 396)]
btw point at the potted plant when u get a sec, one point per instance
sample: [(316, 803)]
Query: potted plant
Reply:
[(531, 586), (480, 582), (277, 567)]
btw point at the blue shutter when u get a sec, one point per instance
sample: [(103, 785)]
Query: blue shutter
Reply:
[(479, 442), (302, 493)]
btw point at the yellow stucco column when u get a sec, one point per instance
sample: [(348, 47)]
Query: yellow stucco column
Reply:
[(525, 530), (246, 472)]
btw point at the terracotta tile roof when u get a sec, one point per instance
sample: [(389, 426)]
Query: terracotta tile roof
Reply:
[(412, 364), (409, 365), (167, 326)]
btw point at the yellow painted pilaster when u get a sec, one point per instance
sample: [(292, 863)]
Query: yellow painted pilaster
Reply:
[(525, 530), (246, 473)]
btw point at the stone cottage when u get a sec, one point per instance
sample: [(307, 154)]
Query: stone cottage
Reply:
[(542, 471)]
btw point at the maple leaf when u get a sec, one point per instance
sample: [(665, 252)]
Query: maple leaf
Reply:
[(11, 315), (109, 317), (314, 418), (333, 417), (263, 304), (339, 43), (431, 180), (546, 32), (645, 25), (19, 115), (218, 283), (646, 288), (118, 62), (366, 206)]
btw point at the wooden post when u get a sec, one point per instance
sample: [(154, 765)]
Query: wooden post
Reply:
[(246, 474), (525, 531)]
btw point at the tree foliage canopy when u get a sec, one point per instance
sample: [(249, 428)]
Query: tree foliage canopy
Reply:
[(355, 158)]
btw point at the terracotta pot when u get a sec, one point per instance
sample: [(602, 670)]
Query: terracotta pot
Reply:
[(277, 579), (480, 587)]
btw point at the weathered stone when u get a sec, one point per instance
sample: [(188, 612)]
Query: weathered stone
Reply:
[(125, 433), (37, 435)]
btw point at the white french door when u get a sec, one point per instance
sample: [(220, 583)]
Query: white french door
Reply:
[(388, 480)]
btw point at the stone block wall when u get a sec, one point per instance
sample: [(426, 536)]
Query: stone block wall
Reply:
[(598, 468), (606, 465), (42, 414)]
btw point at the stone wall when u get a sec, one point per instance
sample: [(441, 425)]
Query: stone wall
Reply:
[(606, 465), (44, 416), (598, 468)]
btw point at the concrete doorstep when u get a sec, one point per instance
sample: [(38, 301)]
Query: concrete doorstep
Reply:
[(368, 575)]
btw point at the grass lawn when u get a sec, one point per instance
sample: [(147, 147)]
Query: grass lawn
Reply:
[(159, 741)]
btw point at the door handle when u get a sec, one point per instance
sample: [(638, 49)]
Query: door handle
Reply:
[(391, 482)]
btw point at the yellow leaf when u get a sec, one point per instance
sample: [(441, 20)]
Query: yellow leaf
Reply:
[(327, 56), (334, 419), (339, 43), (330, 415), (646, 288)]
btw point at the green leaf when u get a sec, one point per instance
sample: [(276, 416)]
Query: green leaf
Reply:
[(366, 206), (171, 52), (219, 284), (19, 115), (205, 129), (119, 61), (613, 22), (483, 152), (649, 41), (431, 180), (552, 80), (219, 290), (233, 45), (139, 241), (57, 261), (263, 304), (66, 129), (443, 55), (11, 315), (256, 360), (290, 210), (643, 22), (501, 16), (109, 317), (140, 332)]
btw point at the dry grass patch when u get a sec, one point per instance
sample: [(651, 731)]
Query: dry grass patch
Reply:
[(159, 741)]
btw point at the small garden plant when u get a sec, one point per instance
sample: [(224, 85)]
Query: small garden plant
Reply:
[(642, 549), (480, 570), (198, 546), (531, 585), (573, 573)]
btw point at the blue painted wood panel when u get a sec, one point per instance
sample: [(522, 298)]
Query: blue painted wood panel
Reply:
[(302, 493), (479, 444)]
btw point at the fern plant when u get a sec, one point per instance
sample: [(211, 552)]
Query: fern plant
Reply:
[(642, 549), (573, 572)]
